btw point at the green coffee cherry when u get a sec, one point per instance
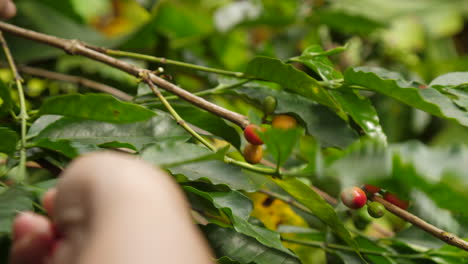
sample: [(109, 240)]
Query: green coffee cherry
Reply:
[(375, 209), (361, 220), (269, 105)]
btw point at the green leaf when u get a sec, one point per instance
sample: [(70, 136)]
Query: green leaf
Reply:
[(320, 122), (392, 85), (99, 107), (68, 148), (448, 254), (226, 260), (217, 172), (362, 112), (359, 108), (227, 242), (170, 154), (158, 129), (238, 207), (12, 201), (319, 207), (41, 123), (451, 79), (280, 143), (365, 243), (9, 140), (40, 188), (315, 58), (290, 78)]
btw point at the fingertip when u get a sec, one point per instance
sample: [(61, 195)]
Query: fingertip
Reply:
[(48, 200), (22, 224), (32, 238), (29, 222), (9, 10)]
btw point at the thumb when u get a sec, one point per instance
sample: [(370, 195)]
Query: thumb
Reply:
[(113, 208)]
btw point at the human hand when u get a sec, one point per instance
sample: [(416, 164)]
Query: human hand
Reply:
[(7, 9), (110, 208)]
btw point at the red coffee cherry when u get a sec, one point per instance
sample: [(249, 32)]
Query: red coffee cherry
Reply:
[(353, 197), (395, 200), (251, 134), (371, 189)]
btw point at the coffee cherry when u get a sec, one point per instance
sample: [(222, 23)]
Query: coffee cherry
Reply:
[(375, 209), (284, 122), (361, 219), (253, 154), (269, 105), (371, 189), (353, 197), (251, 134), (392, 198)]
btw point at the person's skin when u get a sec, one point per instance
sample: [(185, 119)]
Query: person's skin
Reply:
[(7, 9), (110, 208)]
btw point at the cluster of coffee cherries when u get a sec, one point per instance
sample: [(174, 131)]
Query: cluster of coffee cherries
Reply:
[(253, 151), (355, 198)]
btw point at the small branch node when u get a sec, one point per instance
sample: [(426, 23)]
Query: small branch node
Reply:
[(72, 46)]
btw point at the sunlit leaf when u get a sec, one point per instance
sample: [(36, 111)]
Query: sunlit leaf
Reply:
[(290, 78), (100, 107), (227, 242), (391, 84)]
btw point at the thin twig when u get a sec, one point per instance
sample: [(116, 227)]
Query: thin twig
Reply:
[(164, 61), (75, 47), (349, 249), (174, 113), (75, 79), (23, 111), (445, 236), (250, 167), (213, 91)]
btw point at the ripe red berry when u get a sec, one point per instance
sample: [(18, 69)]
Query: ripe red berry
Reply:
[(353, 197), (392, 198), (250, 133), (371, 189)]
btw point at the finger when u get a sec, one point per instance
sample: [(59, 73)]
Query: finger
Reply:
[(114, 208), (33, 238), (7, 9), (48, 200)]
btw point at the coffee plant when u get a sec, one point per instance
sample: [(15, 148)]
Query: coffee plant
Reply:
[(265, 113)]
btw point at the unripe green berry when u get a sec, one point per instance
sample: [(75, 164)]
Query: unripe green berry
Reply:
[(375, 209), (269, 105), (361, 219)]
